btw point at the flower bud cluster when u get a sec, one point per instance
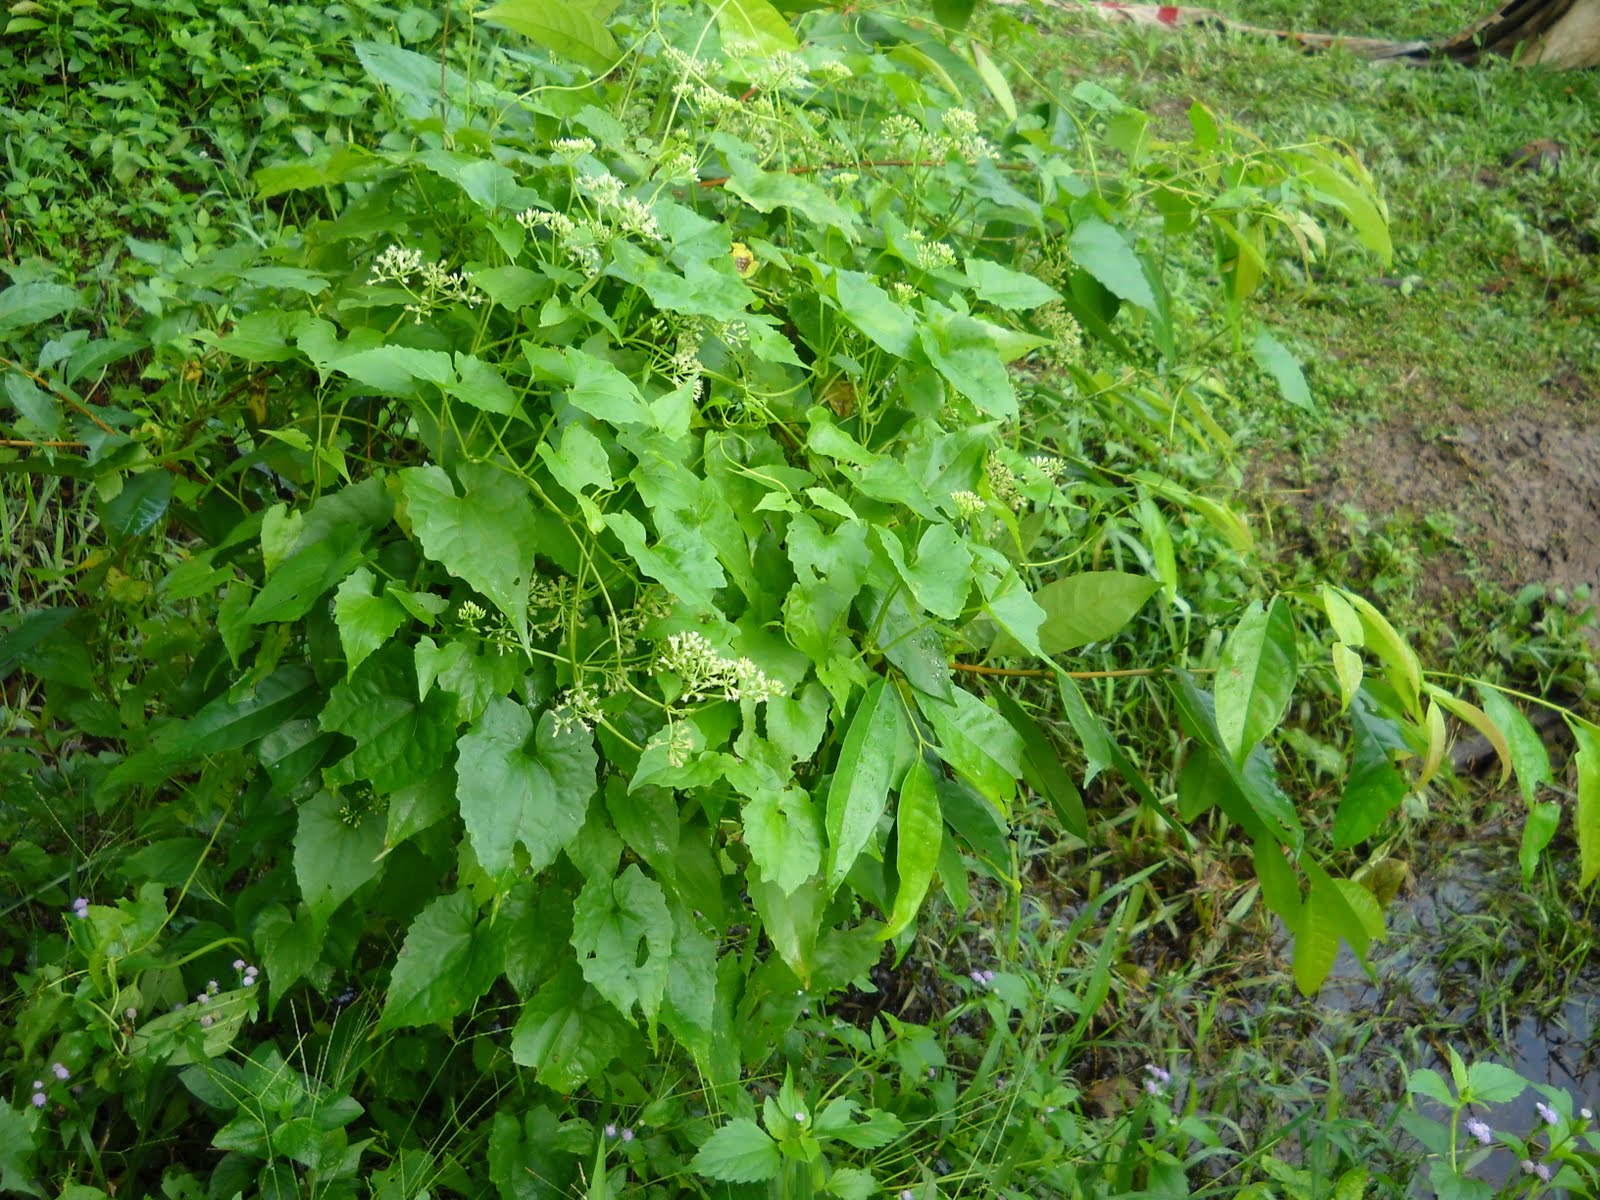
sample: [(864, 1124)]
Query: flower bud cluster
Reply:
[(707, 675)]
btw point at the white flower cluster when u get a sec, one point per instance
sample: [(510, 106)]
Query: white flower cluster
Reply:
[(1002, 481), (429, 285), (969, 504), (713, 103), (903, 291), (935, 256), (679, 743), (1063, 328), (616, 215), (832, 71), (572, 148), (959, 135), (578, 708), (706, 674), (1048, 465)]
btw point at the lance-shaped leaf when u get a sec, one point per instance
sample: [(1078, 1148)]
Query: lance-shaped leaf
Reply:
[(861, 778)]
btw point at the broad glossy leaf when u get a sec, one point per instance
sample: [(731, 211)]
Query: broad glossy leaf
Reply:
[(140, 504), (1089, 607), (1042, 767), (1529, 758), (448, 960), (481, 385), (1104, 252), (689, 1009), (784, 835), (919, 836), (575, 31), (860, 788), (1316, 942), (979, 743), (1274, 358), (941, 576), (334, 858), (687, 567), (874, 312), (962, 350), (1374, 787), (302, 578), (1538, 829), (569, 1033), (1255, 678), (1005, 287), (516, 788), (25, 304), (365, 621), (486, 536), (1587, 818), (622, 932), (399, 740)]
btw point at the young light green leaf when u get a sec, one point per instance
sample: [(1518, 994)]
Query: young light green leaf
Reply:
[(575, 31), (622, 932), (1400, 660), (448, 961), (860, 787), (1255, 678), (962, 351), (518, 788), (1316, 942), (919, 834), (739, 1152), (1479, 720), (1347, 668), (1430, 1083), (486, 536)]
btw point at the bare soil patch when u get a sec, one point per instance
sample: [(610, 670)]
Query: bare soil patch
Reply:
[(1522, 486)]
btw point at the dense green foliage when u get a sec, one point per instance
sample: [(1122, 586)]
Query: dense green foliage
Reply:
[(534, 583)]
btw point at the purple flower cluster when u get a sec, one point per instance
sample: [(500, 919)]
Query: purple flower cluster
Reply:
[(1159, 1077), (80, 908), (625, 1133), (39, 1099), (247, 972), (981, 978), (1547, 1114), (1542, 1170), (1479, 1131)]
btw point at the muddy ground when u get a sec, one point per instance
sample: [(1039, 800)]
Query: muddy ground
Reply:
[(1521, 488)]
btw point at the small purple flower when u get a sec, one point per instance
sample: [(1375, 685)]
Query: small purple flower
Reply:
[(1546, 1113), (238, 964), (988, 977), (1152, 1088), (60, 1071), (205, 1022), (1479, 1130), (1542, 1170), (976, 976), (131, 1013), (907, 1194), (249, 979), (626, 1134), (40, 1099), (611, 1131), (201, 997), (1159, 1074), (211, 986)]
